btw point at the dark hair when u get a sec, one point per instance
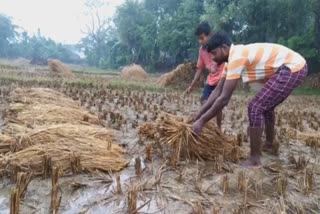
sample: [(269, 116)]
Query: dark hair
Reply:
[(203, 28), (217, 40)]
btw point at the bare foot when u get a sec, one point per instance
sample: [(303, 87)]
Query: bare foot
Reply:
[(267, 147), (251, 162)]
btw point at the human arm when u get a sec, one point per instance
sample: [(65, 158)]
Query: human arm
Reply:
[(194, 81), (218, 105), (212, 98)]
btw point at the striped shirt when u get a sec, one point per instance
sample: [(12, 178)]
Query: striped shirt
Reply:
[(259, 61)]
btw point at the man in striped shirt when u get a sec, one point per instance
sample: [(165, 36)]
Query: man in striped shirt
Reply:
[(275, 68)]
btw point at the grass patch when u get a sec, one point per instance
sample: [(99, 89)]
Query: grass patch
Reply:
[(304, 90)]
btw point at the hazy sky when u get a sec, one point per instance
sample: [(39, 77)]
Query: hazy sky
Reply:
[(61, 20)]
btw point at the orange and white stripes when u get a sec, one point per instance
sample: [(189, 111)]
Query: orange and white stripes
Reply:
[(260, 60)]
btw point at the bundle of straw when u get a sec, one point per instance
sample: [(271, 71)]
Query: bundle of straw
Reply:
[(62, 132), (180, 77), (91, 155), (51, 130), (133, 72), (59, 69), (39, 114), (147, 130), (177, 133), (41, 95)]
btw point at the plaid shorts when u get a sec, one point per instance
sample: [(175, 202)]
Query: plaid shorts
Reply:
[(276, 90)]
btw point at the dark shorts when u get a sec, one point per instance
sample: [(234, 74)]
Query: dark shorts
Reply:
[(207, 90)]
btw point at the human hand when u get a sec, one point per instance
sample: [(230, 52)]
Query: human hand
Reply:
[(188, 91), (197, 126)]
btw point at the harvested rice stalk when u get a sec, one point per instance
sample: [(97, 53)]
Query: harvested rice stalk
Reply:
[(241, 181), (176, 132), (119, 189), (197, 208), (132, 200), (75, 164), (147, 130), (55, 197), (46, 166), (14, 201), (225, 184), (307, 181), (22, 182), (282, 185), (148, 152), (137, 166)]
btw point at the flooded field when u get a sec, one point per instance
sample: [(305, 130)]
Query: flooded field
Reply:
[(288, 182)]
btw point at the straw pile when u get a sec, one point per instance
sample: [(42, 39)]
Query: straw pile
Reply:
[(180, 77), (58, 69), (41, 132), (72, 156), (41, 96), (37, 106), (133, 72), (176, 132)]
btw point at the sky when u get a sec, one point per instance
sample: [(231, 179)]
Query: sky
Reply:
[(62, 20)]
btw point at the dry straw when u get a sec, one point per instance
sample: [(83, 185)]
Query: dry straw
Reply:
[(93, 155), (58, 69), (133, 72), (42, 141), (176, 132), (180, 77)]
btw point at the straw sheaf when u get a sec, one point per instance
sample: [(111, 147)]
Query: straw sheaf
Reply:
[(134, 72), (44, 129), (58, 69), (40, 114), (180, 77), (42, 96), (176, 132), (94, 155)]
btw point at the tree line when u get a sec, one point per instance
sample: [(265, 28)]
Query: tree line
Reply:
[(159, 34), (37, 48)]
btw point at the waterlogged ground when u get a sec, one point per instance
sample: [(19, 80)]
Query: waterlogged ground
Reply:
[(288, 182)]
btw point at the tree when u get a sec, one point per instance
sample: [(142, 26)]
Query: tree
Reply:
[(176, 34), (97, 34), (7, 35)]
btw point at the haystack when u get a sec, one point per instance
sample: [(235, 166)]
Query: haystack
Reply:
[(176, 133), (180, 77), (42, 96), (58, 69), (70, 157), (41, 114), (133, 72), (40, 129), (62, 132), (39, 106)]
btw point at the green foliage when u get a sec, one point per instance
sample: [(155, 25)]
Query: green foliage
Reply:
[(159, 34), (7, 35), (13, 44)]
